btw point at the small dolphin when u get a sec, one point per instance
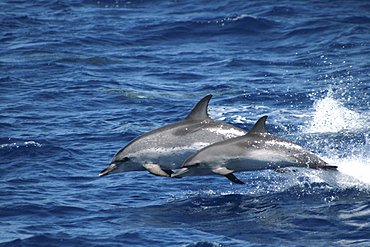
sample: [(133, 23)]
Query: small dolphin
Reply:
[(166, 148), (256, 150)]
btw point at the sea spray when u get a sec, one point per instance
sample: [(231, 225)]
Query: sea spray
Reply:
[(347, 144)]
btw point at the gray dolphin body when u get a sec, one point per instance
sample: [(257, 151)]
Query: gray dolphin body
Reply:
[(256, 150), (161, 150)]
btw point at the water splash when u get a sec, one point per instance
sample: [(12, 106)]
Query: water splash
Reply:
[(356, 167), (342, 125), (332, 116)]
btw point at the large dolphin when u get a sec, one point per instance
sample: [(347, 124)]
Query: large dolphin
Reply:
[(161, 150), (256, 150)]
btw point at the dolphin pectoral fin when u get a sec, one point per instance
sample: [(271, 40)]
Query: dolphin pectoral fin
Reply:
[(228, 174), (222, 171), (234, 179), (156, 169)]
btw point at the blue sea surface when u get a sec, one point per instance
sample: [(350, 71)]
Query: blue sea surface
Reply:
[(80, 79)]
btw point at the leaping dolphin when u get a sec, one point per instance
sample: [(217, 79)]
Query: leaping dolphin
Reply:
[(257, 150), (161, 150)]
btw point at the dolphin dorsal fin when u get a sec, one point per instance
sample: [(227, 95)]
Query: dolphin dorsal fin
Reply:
[(200, 110), (259, 127)]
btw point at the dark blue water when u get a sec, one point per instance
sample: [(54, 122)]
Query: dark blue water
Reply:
[(80, 79)]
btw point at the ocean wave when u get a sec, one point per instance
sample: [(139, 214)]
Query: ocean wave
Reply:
[(175, 30), (259, 213)]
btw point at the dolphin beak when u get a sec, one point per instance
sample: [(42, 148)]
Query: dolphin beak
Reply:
[(179, 173), (107, 170)]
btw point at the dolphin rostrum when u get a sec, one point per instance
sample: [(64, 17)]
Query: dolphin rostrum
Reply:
[(161, 150), (257, 150)]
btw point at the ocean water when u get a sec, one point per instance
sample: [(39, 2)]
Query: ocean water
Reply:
[(81, 79)]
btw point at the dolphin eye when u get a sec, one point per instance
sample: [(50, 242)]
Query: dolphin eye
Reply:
[(125, 159)]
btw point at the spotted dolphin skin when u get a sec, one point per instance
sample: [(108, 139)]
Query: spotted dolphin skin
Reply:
[(161, 150), (256, 150)]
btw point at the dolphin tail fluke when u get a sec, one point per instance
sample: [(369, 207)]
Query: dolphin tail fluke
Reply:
[(156, 169)]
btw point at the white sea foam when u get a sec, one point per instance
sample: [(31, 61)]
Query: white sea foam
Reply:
[(331, 116), (20, 144), (241, 114), (354, 167)]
